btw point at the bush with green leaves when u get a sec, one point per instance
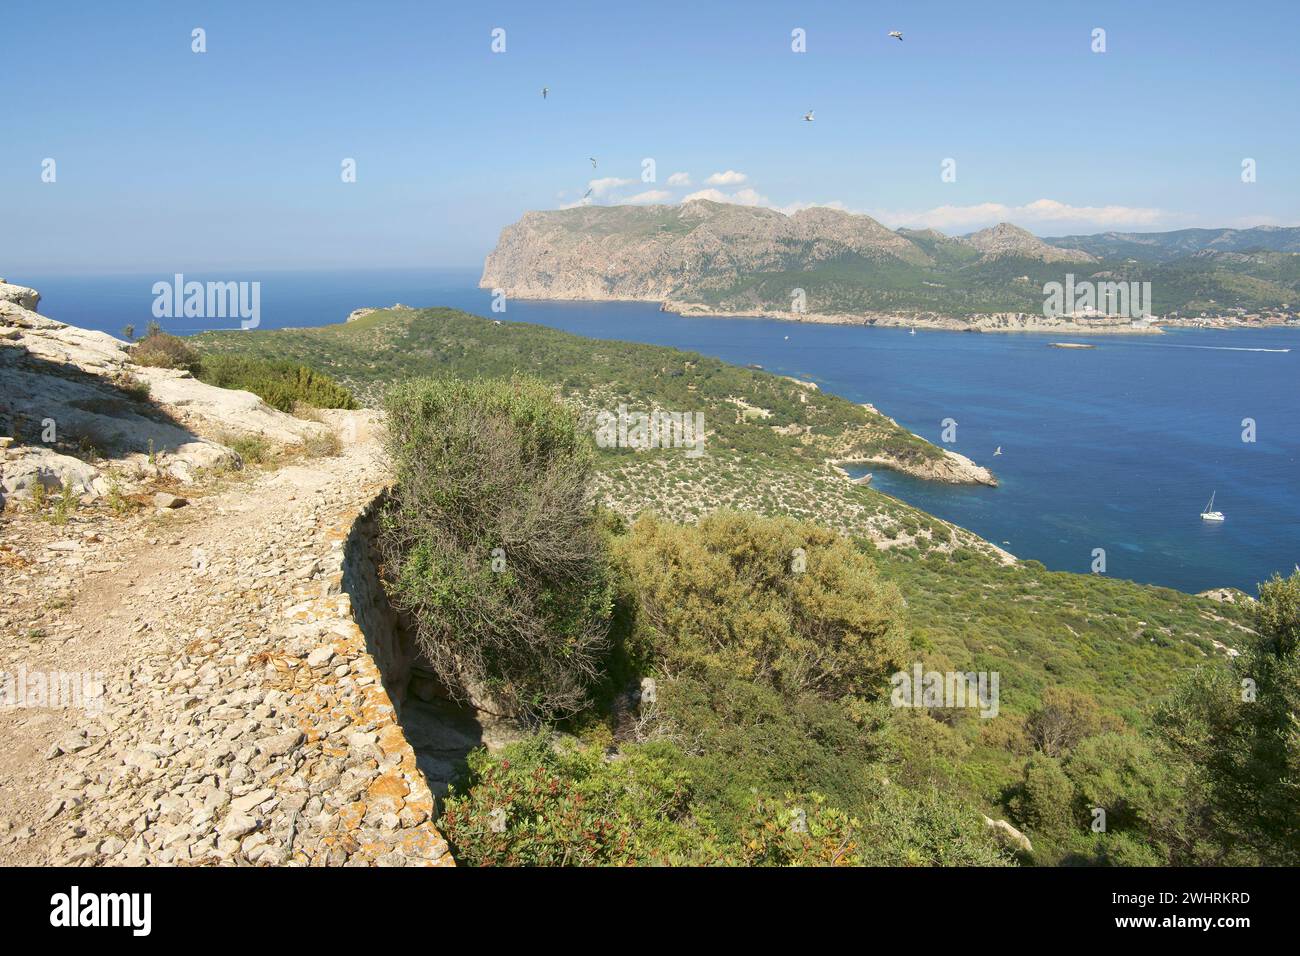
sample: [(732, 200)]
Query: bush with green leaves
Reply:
[(1044, 805), (900, 828), (1066, 717), (1238, 730), (281, 384), (787, 603), (544, 803), (1137, 785), (492, 546), (160, 349)]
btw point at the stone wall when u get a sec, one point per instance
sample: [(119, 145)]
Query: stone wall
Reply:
[(387, 640), (385, 652)]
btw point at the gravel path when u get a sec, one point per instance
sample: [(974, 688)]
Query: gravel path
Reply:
[(241, 720)]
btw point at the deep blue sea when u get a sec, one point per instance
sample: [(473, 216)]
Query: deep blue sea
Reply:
[(1116, 447)]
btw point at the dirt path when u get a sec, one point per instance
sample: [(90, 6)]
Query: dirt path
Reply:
[(191, 618)]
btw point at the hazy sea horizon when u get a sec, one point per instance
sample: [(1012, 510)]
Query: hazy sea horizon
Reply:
[(1116, 447)]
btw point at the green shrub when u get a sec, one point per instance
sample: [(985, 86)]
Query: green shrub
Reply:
[(492, 544), (253, 449), (1045, 804), (537, 804), (745, 735), (899, 829), (542, 804), (161, 350), (1138, 787), (1066, 717), (790, 604), (281, 384), (1238, 729)]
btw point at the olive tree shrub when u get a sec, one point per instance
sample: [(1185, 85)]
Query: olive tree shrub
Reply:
[(787, 603), (491, 544)]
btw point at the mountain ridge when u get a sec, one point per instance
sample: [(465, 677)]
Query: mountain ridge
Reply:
[(827, 264)]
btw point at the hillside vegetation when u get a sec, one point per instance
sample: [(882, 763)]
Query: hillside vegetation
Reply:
[(758, 722)]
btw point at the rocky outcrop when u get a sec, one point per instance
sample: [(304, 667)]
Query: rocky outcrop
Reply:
[(949, 467), (689, 252), (368, 310), (18, 295), (657, 252), (80, 413), (1008, 835), (1227, 596)]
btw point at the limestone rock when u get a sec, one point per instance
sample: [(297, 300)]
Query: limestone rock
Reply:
[(1009, 835)]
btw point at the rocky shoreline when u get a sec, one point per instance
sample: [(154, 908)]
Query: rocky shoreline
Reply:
[(995, 322)]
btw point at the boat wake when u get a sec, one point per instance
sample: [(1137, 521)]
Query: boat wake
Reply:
[(1221, 348)]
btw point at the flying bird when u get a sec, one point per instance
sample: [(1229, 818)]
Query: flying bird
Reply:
[(808, 116), (593, 161), (998, 452), (897, 36), (545, 90), (586, 194)]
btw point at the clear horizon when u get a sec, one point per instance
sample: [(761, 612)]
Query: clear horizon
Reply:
[(167, 159)]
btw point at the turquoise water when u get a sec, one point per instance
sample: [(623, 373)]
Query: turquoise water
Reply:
[(1116, 447)]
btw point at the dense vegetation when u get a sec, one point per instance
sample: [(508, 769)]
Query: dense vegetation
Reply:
[(493, 546), (959, 284), (281, 384), (159, 349), (771, 737)]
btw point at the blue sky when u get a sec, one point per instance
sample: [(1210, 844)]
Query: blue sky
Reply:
[(169, 160)]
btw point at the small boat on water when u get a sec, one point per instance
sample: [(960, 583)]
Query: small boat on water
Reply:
[(1209, 514)]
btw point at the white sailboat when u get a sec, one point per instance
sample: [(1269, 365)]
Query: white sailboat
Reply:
[(1209, 514)]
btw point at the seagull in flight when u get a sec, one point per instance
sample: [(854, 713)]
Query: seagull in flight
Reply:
[(998, 452), (586, 194), (896, 35), (545, 90), (593, 161), (808, 116)]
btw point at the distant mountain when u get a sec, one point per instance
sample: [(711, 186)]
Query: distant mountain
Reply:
[(717, 257), (1005, 241), (1166, 246)]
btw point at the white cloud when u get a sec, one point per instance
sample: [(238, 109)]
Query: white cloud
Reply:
[(963, 218), (729, 178), (750, 197), (795, 207), (679, 179), (600, 187), (743, 197), (649, 196), (715, 195)]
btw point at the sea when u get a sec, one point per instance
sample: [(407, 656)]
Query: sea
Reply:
[(1111, 452)]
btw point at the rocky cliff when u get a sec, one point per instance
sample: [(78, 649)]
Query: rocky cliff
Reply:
[(75, 410), (709, 252)]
